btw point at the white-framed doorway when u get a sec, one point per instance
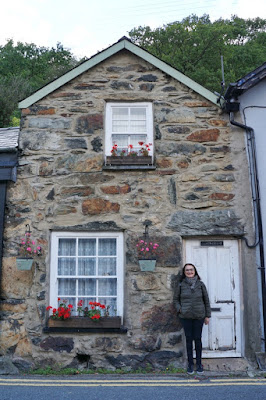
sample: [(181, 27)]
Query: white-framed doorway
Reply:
[(218, 264)]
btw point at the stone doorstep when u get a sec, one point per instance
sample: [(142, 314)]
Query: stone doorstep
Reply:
[(226, 366)]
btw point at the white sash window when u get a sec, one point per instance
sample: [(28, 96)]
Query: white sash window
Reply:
[(128, 124), (88, 267)]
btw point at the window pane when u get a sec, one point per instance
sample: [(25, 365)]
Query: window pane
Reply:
[(87, 247), (107, 247), (138, 126), (120, 126), (67, 247), (87, 287), (120, 140), (66, 266), (110, 305), (87, 266), (120, 113), (135, 139), (86, 301), (107, 287), (66, 287), (107, 266), (67, 301), (137, 113)]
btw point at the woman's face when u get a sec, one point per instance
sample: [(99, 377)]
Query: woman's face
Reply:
[(189, 271)]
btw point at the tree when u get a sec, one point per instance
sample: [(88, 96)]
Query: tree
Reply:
[(24, 68), (194, 46)]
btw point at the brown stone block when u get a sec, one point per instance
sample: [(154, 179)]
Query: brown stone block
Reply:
[(25, 111), (197, 104), (204, 135), (12, 332), (64, 210), (183, 164), (48, 111), (15, 284), (90, 164), (160, 319), (77, 191), (13, 306), (89, 123), (218, 122), (222, 196), (166, 172), (147, 282), (116, 189), (69, 95), (24, 348), (45, 169), (164, 162), (99, 206)]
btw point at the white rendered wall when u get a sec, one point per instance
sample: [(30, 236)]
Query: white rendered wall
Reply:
[(253, 110)]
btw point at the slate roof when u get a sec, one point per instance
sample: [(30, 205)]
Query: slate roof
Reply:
[(9, 138), (123, 43), (246, 82)]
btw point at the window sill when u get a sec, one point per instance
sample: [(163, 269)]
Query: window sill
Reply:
[(83, 324)]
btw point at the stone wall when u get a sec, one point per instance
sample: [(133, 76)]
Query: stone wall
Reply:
[(198, 188)]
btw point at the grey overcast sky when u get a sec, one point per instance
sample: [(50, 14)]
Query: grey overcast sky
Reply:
[(88, 26)]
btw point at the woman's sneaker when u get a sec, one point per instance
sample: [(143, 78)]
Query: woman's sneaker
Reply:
[(190, 369), (200, 369)]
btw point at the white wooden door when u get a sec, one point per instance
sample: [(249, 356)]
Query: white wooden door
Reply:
[(217, 262)]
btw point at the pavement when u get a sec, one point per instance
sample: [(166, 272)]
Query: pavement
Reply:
[(229, 367)]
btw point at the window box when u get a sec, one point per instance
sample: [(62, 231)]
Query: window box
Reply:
[(84, 322), (138, 160)]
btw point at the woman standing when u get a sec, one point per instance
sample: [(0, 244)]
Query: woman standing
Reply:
[(193, 307)]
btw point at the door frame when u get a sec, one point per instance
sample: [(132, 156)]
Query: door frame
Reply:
[(229, 353)]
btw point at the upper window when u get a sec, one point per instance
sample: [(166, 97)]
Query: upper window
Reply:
[(87, 267), (128, 125)]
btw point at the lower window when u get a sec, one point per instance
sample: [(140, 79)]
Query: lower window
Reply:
[(87, 267)]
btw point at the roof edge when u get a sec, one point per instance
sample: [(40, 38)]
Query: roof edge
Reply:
[(123, 43)]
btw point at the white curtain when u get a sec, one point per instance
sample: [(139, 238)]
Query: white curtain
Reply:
[(87, 270)]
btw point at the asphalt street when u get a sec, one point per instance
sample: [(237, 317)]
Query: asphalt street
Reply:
[(118, 388)]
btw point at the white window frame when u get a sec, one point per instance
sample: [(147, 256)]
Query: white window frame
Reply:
[(55, 236), (108, 124)]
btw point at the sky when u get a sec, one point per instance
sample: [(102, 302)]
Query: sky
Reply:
[(88, 26)]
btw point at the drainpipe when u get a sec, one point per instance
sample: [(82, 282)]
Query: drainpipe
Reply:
[(2, 221), (257, 213)]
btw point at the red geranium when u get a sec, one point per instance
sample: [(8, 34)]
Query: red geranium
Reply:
[(63, 311)]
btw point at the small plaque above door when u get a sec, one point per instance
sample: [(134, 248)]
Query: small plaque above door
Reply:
[(212, 243)]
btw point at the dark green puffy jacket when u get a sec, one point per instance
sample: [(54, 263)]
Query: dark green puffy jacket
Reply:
[(192, 304)]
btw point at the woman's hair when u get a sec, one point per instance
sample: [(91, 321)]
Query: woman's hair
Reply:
[(183, 271)]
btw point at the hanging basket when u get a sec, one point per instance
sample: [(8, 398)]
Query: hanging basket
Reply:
[(24, 264), (147, 265)]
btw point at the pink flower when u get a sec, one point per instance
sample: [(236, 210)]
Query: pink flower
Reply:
[(28, 249), (147, 249)]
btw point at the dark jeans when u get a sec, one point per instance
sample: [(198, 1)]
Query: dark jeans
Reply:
[(193, 331)]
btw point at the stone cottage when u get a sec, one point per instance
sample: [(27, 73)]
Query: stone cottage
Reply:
[(87, 209)]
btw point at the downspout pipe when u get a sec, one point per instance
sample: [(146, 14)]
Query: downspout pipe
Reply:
[(257, 213)]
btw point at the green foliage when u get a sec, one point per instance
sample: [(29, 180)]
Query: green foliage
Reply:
[(24, 68), (194, 46), (57, 370)]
